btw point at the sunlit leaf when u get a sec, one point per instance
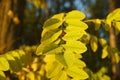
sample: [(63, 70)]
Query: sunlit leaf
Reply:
[(117, 26), (52, 49), (103, 42), (77, 23), (31, 75), (75, 72), (52, 24), (4, 65), (75, 46), (70, 28), (61, 76), (69, 58), (79, 63), (85, 38), (117, 57), (59, 16), (2, 75), (97, 23), (60, 58), (75, 14), (51, 36), (55, 68), (105, 52), (94, 43), (40, 48), (115, 15), (73, 35)]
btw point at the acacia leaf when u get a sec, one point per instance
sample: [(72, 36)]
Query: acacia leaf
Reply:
[(12, 62), (75, 46), (4, 65), (2, 75), (105, 52), (55, 68), (94, 43), (73, 35), (51, 36), (75, 72), (114, 15), (77, 23), (59, 16), (61, 76), (60, 58), (75, 14)]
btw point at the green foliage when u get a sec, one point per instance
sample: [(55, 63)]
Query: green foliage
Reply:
[(60, 43)]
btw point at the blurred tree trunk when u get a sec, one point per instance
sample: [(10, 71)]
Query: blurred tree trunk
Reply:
[(113, 4), (6, 30), (11, 23)]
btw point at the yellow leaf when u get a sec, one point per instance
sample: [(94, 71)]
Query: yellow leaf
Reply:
[(75, 72), (4, 65), (59, 16), (105, 52), (103, 42), (75, 14), (117, 58), (97, 24), (94, 43), (76, 23)]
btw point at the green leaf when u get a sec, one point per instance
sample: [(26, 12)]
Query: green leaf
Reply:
[(2, 75), (52, 24), (61, 76), (77, 23), (51, 36), (75, 46), (12, 62), (94, 43), (60, 58), (23, 57), (75, 14), (17, 57), (48, 49), (40, 48), (105, 52), (4, 65), (75, 72)]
